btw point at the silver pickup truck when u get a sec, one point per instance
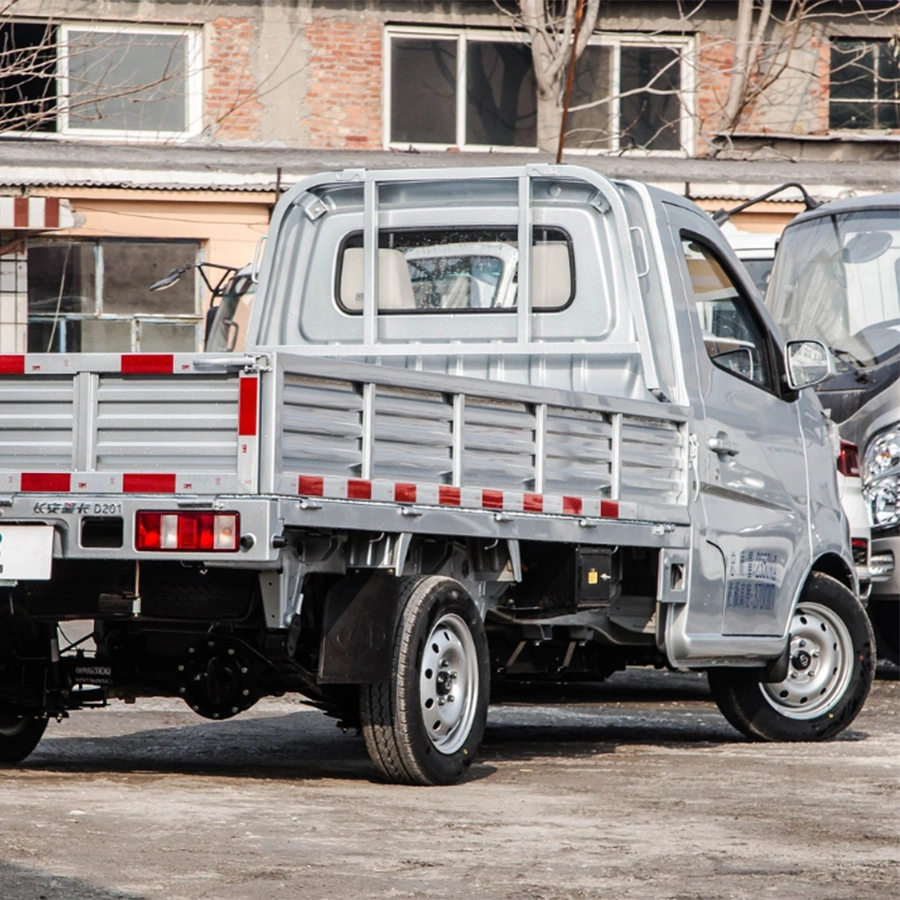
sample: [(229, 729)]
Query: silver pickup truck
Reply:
[(511, 423)]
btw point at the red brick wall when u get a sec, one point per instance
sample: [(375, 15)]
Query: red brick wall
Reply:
[(231, 107), (821, 87), (344, 98), (716, 59)]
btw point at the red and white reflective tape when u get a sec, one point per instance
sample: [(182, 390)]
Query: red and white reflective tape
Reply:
[(248, 431), (117, 483), (325, 486), (333, 487), (102, 363)]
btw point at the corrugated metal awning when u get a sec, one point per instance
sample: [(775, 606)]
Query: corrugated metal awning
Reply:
[(35, 214)]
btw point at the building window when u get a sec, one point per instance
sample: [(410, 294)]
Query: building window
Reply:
[(628, 96), (460, 90), (93, 296), (135, 81), (476, 90), (865, 84)]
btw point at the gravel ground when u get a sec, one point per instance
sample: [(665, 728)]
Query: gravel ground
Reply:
[(637, 788)]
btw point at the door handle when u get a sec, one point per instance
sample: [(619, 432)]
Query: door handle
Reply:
[(721, 445)]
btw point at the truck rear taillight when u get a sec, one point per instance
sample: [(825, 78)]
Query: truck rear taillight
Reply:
[(848, 461), (216, 532), (860, 551)]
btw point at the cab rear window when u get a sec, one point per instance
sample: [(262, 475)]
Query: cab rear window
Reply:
[(457, 270)]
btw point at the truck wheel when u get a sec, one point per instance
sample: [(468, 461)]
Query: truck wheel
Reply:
[(885, 618), (830, 672), (19, 736), (424, 725)]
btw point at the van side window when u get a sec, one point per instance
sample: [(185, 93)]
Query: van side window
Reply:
[(734, 339)]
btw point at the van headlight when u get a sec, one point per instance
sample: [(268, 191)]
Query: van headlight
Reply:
[(881, 479)]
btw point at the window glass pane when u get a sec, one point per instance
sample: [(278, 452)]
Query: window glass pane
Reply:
[(127, 81), (733, 339), (458, 269), (43, 337), (27, 76), (888, 85), (100, 335), (591, 127), (173, 337), (648, 118), (888, 69), (500, 94), (130, 267), (423, 90), (61, 276), (889, 115), (852, 71), (851, 115), (79, 336), (760, 270)]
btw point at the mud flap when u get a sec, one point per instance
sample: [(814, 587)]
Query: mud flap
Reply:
[(358, 623), (777, 669)]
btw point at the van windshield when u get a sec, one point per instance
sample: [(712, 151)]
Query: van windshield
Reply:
[(837, 278)]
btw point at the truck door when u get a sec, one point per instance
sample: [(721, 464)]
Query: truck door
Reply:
[(751, 546)]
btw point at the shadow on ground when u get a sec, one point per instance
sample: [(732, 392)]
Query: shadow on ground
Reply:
[(527, 721), (18, 883)]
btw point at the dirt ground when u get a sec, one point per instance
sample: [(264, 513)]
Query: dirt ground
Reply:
[(634, 789)]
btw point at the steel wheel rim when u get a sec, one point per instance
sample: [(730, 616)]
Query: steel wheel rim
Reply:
[(820, 665), (448, 684)]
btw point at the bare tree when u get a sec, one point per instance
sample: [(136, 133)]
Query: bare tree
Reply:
[(768, 46), (558, 37), (769, 42)]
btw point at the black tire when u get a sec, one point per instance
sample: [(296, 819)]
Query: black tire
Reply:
[(424, 725), (885, 618), (830, 672), (19, 736)]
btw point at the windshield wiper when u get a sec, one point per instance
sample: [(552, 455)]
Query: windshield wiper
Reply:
[(856, 364)]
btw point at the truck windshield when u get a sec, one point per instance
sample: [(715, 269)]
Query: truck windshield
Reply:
[(837, 278)]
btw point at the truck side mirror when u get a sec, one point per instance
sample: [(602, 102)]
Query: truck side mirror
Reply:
[(807, 363)]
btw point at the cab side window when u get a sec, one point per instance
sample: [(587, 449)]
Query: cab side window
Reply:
[(734, 339)]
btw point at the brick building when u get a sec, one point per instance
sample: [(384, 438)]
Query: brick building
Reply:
[(165, 130)]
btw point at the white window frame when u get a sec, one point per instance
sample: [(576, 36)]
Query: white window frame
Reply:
[(193, 82), (686, 46), (462, 36)]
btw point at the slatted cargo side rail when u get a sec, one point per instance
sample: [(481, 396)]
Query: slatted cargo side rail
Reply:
[(346, 430), (119, 423)]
